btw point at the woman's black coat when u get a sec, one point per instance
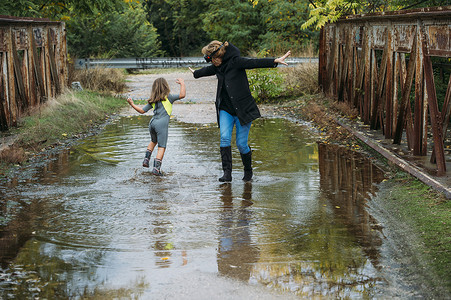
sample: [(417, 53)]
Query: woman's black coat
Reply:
[(231, 74)]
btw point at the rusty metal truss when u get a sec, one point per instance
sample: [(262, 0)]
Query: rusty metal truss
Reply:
[(32, 65), (381, 65)]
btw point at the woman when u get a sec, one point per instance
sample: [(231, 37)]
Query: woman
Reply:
[(235, 105)]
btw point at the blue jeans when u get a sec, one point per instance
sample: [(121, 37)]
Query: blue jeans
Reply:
[(226, 123)]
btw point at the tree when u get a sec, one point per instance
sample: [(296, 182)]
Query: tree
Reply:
[(115, 34), (234, 21), (283, 21), (56, 9), (179, 25)]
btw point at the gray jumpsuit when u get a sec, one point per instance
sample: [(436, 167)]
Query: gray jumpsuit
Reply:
[(159, 124)]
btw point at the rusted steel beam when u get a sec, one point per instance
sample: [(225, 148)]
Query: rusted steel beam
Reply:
[(409, 120), (13, 111), (52, 60), (353, 76), (378, 103), (418, 126), (374, 80), (361, 73), (18, 78), (62, 55), (344, 70), (37, 71), (436, 120), (446, 112), (405, 94), (331, 69), (3, 103), (389, 112), (367, 77)]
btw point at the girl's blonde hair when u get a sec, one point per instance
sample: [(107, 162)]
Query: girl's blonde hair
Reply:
[(210, 48), (160, 90)]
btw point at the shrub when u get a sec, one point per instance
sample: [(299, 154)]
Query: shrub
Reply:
[(101, 79), (301, 79), (283, 83), (265, 84)]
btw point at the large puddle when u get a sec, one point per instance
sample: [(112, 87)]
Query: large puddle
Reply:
[(94, 223)]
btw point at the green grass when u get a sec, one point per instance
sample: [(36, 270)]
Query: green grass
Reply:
[(67, 116), (428, 214)]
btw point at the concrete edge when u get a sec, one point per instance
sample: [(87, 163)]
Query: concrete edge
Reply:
[(404, 165)]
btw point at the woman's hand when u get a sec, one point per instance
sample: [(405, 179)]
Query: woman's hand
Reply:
[(129, 100), (281, 60), (180, 81)]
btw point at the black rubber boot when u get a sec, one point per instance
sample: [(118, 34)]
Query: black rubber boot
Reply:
[(247, 163), (226, 157), (157, 167), (147, 158)]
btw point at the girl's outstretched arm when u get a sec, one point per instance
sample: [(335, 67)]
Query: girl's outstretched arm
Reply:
[(137, 108), (181, 81)]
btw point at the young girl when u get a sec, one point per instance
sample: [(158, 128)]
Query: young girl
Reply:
[(161, 102)]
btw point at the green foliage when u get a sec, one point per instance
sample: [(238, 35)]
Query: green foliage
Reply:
[(234, 21), (118, 34), (69, 114), (57, 9), (283, 20), (16, 8), (268, 85), (428, 214), (265, 84), (324, 11), (184, 27), (179, 25)]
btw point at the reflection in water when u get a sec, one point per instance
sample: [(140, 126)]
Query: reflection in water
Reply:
[(348, 180), (161, 232), (236, 252), (331, 251)]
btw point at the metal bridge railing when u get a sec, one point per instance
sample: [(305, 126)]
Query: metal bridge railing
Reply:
[(381, 64), (162, 62)]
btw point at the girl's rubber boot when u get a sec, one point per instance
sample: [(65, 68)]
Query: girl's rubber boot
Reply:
[(157, 167), (247, 163), (226, 157), (147, 158)]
